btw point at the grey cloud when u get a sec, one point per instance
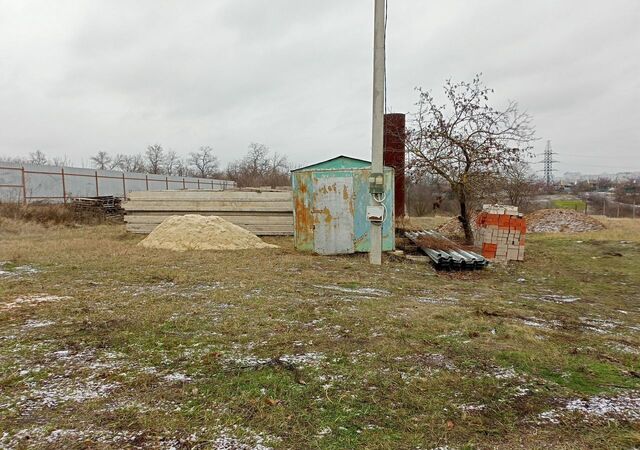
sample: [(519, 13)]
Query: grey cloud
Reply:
[(76, 77)]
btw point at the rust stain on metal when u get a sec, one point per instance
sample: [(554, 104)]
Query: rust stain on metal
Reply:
[(304, 218), (327, 215)]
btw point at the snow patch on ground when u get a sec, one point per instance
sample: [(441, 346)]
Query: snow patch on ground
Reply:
[(541, 323), (549, 417), (437, 301), (74, 376), (66, 381), (31, 324), (424, 364), (365, 292), (552, 298), (305, 359), (177, 378), (9, 271), (601, 326), (39, 436), (472, 407), (35, 299), (251, 361), (59, 389), (91, 436), (169, 289), (559, 298), (624, 406), (624, 348), (503, 373), (621, 407)]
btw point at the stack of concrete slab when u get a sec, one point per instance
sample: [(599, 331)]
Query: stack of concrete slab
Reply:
[(500, 232), (264, 213)]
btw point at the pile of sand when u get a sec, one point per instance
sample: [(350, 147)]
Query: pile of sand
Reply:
[(194, 232), (561, 220)]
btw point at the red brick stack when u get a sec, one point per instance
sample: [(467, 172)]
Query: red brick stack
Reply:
[(500, 232)]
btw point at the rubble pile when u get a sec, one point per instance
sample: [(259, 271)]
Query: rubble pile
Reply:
[(561, 221)]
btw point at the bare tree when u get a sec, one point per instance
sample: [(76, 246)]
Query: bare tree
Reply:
[(256, 163), (129, 163), (258, 168), (61, 161), (466, 140), (520, 185), (38, 158), (14, 160), (628, 192), (101, 160), (204, 161), (277, 165), (171, 161), (118, 161), (155, 158), (182, 168), (135, 163)]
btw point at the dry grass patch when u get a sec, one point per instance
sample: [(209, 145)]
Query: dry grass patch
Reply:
[(155, 349), (48, 214)]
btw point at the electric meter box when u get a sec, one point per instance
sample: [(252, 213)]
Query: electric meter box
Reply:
[(375, 214), (376, 183)]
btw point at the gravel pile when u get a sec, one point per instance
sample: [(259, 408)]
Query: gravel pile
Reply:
[(561, 220)]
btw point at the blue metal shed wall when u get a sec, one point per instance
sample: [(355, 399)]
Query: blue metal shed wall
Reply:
[(305, 183)]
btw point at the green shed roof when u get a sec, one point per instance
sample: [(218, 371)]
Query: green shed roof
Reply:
[(339, 162)]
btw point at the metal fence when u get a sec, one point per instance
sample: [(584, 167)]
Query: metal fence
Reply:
[(52, 184)]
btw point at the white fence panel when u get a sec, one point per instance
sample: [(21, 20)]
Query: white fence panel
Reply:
[(52, 184)]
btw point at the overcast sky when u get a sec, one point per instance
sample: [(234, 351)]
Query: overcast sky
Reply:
[(87, 75)]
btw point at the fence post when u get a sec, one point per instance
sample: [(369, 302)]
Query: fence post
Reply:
[(146, 180), (97, 189), (24, 188), (124, 187), (64, 186), (198, 183), (166, 180)]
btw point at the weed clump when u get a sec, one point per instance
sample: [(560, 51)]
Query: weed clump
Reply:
[(50, 214)]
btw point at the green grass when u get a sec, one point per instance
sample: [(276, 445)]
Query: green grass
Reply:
[(578, 205), (260, 346)]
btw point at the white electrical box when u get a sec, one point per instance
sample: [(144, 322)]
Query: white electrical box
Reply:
[(375, 214)]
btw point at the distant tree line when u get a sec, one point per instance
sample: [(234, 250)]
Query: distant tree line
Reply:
[(628, 192), (258, 167), (37, 158)]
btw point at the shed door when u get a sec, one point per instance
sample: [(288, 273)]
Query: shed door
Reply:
[(333, 216)]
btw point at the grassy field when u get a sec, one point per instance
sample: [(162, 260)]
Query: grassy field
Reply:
[(104, 344), (577, 205)]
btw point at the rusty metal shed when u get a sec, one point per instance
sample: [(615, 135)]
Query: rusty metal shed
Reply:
[(330, 201)]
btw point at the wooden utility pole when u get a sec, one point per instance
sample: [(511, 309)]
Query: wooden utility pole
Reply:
[(375, 233)]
